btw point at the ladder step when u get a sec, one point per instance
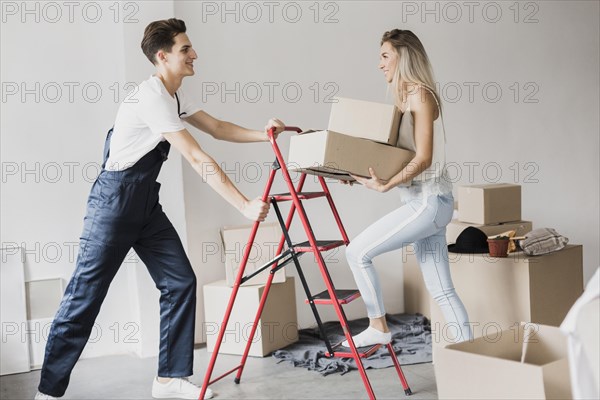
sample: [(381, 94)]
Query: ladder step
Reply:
[(301, 196), (281, 261), (322, 245), (363, 352), (344, 296)]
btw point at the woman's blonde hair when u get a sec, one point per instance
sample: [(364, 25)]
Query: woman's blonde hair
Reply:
[(413, 63)]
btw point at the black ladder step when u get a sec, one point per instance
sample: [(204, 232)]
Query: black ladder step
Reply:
[(344, 296), (363, 352), (301, 196), (322, 245)]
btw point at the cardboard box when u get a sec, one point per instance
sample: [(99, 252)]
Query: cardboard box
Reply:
[(490, 203), (337, 155), (235, 240), (277, 328), (501, 292), (528, 362), (416, 296), (455, 227), (365, 119)]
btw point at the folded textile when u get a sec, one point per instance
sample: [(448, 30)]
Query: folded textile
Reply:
[(411, 340), (542, 241)]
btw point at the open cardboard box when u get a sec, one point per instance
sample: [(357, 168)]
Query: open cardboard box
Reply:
[(528, 361)]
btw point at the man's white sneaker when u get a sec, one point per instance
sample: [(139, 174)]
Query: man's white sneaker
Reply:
[(42, 396), (178, 388)]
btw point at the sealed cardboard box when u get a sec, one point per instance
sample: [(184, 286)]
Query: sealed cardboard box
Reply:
[(490, 203), (501, 292), (337, 155), (455, 227), (527, 362), (416, 296), (264, 247), (277, 328), (365, 119)]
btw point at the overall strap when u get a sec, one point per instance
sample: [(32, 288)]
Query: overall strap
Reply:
[(106, 151), (110, 132), (179, 107)]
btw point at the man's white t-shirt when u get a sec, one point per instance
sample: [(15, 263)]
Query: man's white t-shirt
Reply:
[(142, 119)]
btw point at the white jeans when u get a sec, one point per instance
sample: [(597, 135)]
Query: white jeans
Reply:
[(422, 222)]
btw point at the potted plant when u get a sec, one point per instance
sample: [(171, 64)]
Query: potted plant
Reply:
[(498, 246)]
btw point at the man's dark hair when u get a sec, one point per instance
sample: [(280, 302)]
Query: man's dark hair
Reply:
[(160, 35)]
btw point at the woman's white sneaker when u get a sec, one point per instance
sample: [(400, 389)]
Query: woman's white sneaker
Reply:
[(178, 388), (370, 337)]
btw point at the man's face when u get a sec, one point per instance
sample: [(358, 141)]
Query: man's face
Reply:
[(180, 60)]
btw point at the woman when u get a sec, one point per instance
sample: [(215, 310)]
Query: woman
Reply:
[(425, 190)]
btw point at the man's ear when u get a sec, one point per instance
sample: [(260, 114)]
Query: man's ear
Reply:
[(161, 56)]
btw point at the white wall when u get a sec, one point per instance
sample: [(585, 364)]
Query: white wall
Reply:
[(558, 134), (60, 139), (549, 146)]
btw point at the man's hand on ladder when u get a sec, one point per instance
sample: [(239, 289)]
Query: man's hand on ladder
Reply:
[(255, 210), (274, 123)]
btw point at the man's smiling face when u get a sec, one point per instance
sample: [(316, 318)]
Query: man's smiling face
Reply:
[(180, 60)]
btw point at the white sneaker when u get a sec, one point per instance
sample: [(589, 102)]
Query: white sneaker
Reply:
[(42, 396), (178, 388), (370, 337)]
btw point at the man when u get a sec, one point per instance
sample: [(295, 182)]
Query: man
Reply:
[(124, 212)]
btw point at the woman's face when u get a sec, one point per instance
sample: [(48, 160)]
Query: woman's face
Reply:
[(388, 61)]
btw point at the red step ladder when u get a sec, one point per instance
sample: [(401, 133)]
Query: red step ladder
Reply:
[(330, 296)]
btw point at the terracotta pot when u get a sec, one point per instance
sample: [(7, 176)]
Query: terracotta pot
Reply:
[(498, 247)]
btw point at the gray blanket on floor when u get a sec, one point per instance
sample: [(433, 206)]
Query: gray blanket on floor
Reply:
[(411, 340)]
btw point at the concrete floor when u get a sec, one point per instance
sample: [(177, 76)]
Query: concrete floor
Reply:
[(129, 377)]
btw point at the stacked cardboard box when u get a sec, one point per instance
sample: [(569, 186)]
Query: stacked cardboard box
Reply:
[(493, 208), (456, 226), (360, 135), (277, 327), (500, 294), (278, 323), (262, 250), (497, 292), (489, 204)]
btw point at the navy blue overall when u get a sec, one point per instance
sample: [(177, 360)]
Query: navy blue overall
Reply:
[(123, 211)]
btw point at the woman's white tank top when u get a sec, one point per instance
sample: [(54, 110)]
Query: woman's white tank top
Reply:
[(434, 179)]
